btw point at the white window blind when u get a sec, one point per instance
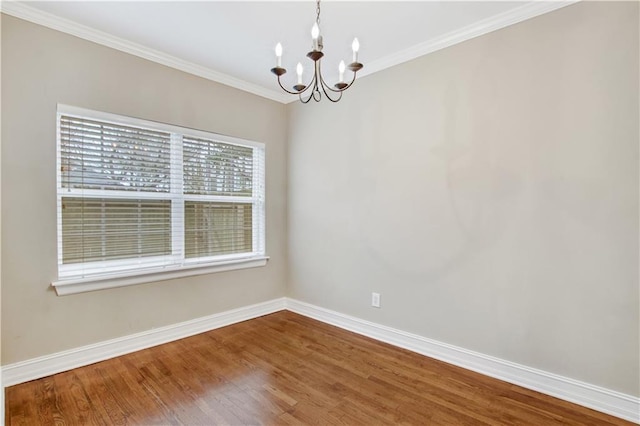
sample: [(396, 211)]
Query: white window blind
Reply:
[(136, 196), (217, 181)]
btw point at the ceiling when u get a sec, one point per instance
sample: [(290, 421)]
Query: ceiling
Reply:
[(233, 41)]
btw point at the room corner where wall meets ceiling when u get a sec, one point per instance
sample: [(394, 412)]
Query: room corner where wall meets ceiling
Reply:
[(458, 29)]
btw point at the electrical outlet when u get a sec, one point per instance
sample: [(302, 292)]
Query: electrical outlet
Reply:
[(375, 300)]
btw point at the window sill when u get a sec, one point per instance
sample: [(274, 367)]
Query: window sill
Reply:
[(82, 285)]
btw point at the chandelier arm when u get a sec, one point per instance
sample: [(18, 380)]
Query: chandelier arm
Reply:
[(289, 91), (318, 81), (305, 101), (314, 84), (324, 83), (312, 95), (324, 87), (353, 80)]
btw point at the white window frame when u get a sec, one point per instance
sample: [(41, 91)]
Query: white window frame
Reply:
[(89, 276)]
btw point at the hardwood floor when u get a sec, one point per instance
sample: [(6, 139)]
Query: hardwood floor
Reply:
[(282, 369)]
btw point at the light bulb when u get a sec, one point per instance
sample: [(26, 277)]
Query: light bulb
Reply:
[(315, 33), (355, 46), (279, 54), (341, 68), (299, 71)]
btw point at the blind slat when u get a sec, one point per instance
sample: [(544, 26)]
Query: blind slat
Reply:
[(107, 229), (99, 232), (98, 155), (214, 168)]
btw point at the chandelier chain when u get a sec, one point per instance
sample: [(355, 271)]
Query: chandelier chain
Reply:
[(318, 12)]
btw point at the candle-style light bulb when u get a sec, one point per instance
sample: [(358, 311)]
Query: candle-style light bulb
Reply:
[(341, 68), (299, 72), (315, 33), (355, 46), (279, 54)]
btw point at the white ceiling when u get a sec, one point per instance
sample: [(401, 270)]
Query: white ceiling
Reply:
[(233, 41)]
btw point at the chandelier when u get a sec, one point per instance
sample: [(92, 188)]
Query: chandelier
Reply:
[(317, 84)]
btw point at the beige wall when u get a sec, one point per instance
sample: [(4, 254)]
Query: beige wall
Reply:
[(489, 192), (42, 67)]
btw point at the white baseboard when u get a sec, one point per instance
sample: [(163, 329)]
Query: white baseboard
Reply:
[(66, 360), (607, 401), (595, 397)]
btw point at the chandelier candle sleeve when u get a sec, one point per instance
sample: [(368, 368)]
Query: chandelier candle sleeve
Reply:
[(341, 69)]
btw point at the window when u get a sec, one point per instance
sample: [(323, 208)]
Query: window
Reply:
[(141, 201)]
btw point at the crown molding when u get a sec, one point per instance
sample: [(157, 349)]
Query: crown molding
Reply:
[(31, 14), (494, 23)]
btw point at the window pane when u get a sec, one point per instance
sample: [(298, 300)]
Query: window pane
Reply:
[(137, 196), (217, 228), (99, 155), (109, 229), (215, 168)]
